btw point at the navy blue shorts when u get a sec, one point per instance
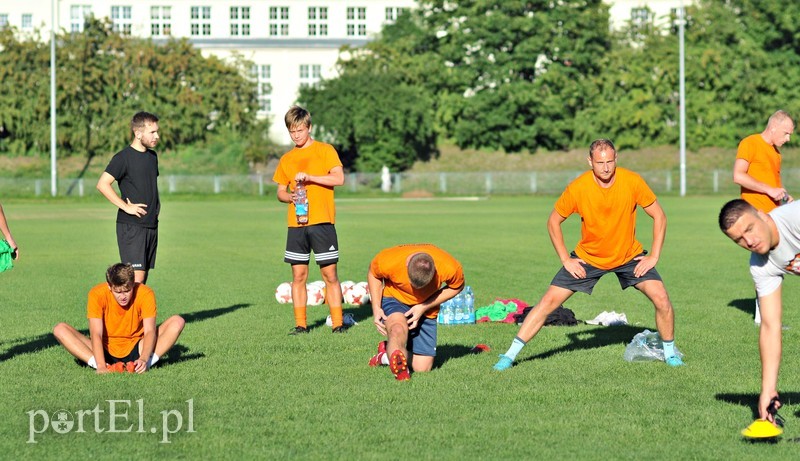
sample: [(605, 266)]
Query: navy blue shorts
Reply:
[(422, 339), (319, 238), (137, 246), (564, 279)]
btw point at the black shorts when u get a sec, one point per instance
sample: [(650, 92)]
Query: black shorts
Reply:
[(137, 246), (564, 279), (319, 238), (133, 355)]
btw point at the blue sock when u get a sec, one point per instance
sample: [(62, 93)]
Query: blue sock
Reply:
[(516, 346), (669, 348)]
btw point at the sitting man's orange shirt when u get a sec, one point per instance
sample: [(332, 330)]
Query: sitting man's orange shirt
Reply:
[(608, 216), (390, 265), (122, 327)]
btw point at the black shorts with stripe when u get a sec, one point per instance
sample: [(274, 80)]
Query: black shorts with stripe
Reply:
[(319, 238)]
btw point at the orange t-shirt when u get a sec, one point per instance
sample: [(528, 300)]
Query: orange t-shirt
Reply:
[(765, 166), (123, 328), (608, 216), (318, 159), (390, 265)]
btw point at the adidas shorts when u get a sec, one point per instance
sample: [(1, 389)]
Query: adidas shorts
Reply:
[(564, 279), (421, 340), (319, 238), (137, 246)]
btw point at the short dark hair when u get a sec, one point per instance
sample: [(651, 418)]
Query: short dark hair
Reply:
[(732, 211), (601, 144), (140, 119), (120, 275), (421, 270)]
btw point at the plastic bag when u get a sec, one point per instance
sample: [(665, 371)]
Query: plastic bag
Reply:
[(646, 347)]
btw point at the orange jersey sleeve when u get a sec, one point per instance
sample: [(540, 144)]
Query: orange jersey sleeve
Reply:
[(122, 327), (318, 159), (764, 165), (608, 216), (390, 265)]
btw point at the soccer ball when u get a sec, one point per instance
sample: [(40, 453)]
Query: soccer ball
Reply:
[(284, 293), (359, 294), (315, 293), (346, 287)]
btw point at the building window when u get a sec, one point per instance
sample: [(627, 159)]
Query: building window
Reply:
[(279, 20), (317, 21), (27, 21), (3, 21), (160, 20), (240, 20), (356, 21), (121, 19), (640, 21), (78, 14), (393, 12), (262, 75), (310, 74), (200, 20)]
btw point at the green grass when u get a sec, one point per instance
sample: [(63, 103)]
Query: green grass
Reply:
[(260, 394)]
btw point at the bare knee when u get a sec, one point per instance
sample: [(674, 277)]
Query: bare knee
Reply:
[(177, 322), (61, 329)]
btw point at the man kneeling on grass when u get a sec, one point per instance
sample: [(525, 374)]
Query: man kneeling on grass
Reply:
[(122, 326)]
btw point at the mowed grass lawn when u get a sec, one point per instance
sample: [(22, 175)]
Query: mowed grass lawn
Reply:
[(237, 387)]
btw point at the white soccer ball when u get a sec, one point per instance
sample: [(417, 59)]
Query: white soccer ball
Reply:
[(284, 293), (315, 293), (347, 285), (359, 294)]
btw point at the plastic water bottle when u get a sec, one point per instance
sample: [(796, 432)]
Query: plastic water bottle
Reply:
[(450, 313), (469, 302), (301, 203), (458, 303)]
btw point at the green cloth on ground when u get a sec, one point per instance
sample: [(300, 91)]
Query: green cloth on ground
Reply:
[(497, 311), (6, 256)]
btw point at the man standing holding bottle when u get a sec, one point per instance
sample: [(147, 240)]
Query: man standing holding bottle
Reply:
[(315, 167)]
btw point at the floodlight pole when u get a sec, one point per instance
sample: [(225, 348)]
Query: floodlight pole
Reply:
[(682, 77), (53, 172)]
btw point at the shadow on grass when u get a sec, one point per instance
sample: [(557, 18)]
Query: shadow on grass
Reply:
[(746, 305), (447, 352), (47, 340), (591, 339), (751, 400)]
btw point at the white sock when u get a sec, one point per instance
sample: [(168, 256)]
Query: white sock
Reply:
[(153, 359), (92, 362), (384, 359)]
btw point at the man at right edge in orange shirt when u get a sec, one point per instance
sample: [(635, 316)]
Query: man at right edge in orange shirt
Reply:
[(757, 168), (606, 199)]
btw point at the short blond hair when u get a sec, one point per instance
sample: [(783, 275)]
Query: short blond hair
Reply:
[(297, 116)]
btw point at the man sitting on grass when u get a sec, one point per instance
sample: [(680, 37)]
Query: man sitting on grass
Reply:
[(122, 326)]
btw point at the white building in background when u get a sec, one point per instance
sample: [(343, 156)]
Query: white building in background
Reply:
[(292, 43)]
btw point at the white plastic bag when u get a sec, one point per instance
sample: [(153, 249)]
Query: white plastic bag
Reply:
[(646, 347)]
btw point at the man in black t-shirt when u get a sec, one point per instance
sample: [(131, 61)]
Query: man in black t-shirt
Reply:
[(135, 168)]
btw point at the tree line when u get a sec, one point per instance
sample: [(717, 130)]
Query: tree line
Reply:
[(104, 78), (515, 75)]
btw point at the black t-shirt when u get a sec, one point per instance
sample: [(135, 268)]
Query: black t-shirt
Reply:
[(137, 177)]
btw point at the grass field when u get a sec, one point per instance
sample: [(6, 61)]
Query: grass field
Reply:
[(243, 389)]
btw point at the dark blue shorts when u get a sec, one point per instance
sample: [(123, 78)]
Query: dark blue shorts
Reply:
[(319, 238), (564, 279), (422, 339)]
